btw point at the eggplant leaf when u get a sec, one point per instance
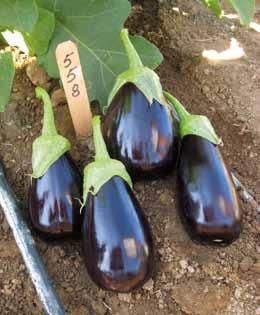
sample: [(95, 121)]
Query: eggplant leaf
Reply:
[(38, 40), (245, 9), (2, 39), (6, 78), (95, 26), (214, 6), (20, 15)]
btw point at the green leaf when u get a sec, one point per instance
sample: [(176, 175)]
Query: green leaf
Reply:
[(97, 173), (94, 26), (214, 6), (245, 9), (193, 124), (6, 78), (2, 39), (50, 146), (20, 15), (38, 40)]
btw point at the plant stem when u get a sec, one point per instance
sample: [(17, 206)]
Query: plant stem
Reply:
[(133, 57), (180, 109), (100, 146), (49, 128)]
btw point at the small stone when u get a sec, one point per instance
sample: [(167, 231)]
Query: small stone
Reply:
[(81, 310), (205, 89), (149, 285), (257, 311), (183, 263), (138, 296), (238, 293), (165, 199), (191, 269), (161, 306), (256, 268), (99, 308), (125, 297), (246, 264), (69, 289)]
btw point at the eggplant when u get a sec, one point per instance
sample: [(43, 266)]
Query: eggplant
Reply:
[(54, 208), (208, 198), (140, 128), (116, 237), (141, 135), (56, 185)]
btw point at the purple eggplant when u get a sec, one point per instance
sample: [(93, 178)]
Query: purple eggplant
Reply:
[(56, 187), (117, 242), (140, 127), (54, 208), (208, 199), (142, 136)]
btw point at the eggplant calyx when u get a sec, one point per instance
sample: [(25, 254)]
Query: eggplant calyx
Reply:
[(145, 79), (197, 125), (97, 173), (50, 146)]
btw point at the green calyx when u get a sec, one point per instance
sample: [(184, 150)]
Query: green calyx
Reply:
[(97, 173), (50, 146), (145, 79), (193, 124)]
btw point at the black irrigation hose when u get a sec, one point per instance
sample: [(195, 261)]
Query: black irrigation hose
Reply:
[(25, 242)]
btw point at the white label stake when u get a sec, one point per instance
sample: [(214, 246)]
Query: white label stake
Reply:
[(75, 89)]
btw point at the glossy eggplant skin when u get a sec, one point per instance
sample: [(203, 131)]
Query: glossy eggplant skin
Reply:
[(117, 241), (209, 204), (54, 207), (142, 136)]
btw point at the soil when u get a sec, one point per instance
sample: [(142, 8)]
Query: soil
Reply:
[(188, 278)]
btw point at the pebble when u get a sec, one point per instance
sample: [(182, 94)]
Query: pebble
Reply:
[(246, 264), (125, 297), (238, 293), (149, 285), (183, 263), (191, 269)]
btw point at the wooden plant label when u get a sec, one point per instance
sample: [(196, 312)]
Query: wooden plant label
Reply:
[(75, 89)]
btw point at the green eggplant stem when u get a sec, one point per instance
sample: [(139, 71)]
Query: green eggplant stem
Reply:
[(181, 111), (99, 143), (133, 57), (49, 128)]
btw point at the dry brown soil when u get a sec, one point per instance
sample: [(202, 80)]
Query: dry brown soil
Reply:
[(188, 278)]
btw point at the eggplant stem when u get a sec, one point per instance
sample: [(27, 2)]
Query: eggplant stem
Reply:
[(180, 109), (133, 57), (99, 143), (49, 128)]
